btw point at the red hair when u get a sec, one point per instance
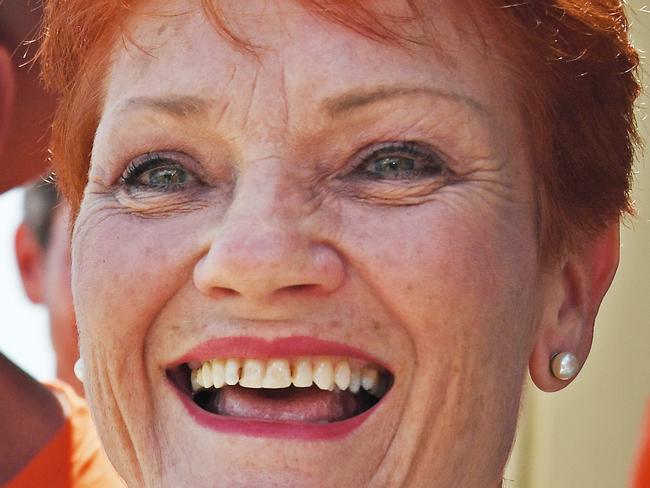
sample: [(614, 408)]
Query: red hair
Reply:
[(571, 60)]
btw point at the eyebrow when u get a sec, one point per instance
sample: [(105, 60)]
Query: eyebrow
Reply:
[(341, 105), (178, 106), (183, 106)]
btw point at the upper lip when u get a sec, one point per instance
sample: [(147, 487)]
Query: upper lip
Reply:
[(283, 347)]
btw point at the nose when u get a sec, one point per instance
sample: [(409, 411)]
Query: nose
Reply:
[(263, 248)]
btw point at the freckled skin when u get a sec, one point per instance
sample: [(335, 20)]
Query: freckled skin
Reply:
[(438, 277)]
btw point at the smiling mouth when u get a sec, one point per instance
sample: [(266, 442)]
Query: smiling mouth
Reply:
[(307, 390)]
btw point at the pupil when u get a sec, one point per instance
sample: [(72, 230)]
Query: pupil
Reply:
[(394, 164)]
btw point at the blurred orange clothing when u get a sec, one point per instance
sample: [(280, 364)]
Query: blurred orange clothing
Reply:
[(73, 458), (642, 472)]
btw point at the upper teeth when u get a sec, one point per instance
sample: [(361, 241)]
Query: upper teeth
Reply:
[(325, 373)]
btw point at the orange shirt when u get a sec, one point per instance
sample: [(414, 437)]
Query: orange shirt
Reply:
[(74, 457)]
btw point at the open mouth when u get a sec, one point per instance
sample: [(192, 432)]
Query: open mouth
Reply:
[(308, 390)]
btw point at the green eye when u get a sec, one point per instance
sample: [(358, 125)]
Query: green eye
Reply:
[(163, 177), (393, 164)]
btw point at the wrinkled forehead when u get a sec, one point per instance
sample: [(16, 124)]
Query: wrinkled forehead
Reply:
[(296, 48)]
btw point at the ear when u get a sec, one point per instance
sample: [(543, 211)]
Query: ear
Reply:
[(7, 93), (574, 290), (31, 261)]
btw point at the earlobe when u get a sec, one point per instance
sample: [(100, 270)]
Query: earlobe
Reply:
[(573, 293), (7, 94), (29, 257)]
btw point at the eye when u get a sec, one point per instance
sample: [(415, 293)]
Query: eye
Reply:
[(157, 172), (400, 161)]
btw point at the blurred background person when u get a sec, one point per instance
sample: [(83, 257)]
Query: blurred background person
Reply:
[(43, 258)]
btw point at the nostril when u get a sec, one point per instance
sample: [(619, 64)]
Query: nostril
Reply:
[(303, 289), (306, 287), (220, 292)]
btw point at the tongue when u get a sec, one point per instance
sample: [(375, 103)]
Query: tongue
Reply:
[(288, 404)]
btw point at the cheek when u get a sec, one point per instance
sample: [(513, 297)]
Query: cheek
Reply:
[(463, 295), (449, 275), (125, 269), (461, 291)]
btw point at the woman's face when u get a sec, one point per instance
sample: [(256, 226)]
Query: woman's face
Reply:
[(331, 203)]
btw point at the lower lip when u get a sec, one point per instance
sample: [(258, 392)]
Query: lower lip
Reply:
[(272, 429)]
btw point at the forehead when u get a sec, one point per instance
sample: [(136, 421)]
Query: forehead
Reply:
[(172, 47)]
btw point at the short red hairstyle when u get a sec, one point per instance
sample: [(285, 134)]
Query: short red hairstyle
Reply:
[(572, 63)]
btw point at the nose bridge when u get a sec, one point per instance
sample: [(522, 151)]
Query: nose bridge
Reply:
[(266, 194), (254, 237), (264, 220), (264, 244)]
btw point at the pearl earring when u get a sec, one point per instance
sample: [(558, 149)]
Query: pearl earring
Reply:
[(564, 365), (79, 370)]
